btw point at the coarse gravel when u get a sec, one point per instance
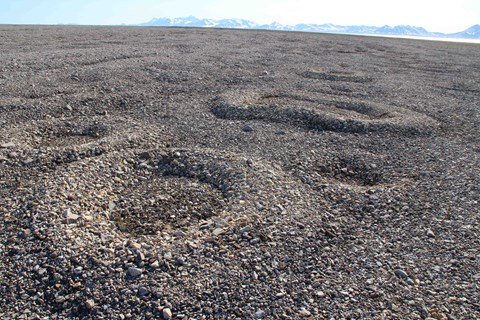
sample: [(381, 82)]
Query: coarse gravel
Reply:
[(182, 173)]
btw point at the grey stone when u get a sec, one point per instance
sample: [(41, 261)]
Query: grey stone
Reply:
[(259, 206), (179, 233), (401, 274), (142, 291), (134, 272), (247, 128), (259, 314), (180, 261)]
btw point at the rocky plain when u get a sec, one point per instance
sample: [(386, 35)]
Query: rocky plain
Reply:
[(170, 173)]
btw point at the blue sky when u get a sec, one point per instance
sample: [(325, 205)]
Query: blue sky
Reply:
[(434, 15)]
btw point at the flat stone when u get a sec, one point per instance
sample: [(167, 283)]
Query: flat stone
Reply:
[(218, 231), (401, 274), (7, 145), (245, 230), (247, 128), (134, 272), (206, 225), (145, 155), (179, 233)]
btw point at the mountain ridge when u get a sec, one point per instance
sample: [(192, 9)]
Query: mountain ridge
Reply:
[(399, 30)]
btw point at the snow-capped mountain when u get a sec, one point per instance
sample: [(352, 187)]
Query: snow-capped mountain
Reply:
[(205, 23), (402, 30), (471, 33)]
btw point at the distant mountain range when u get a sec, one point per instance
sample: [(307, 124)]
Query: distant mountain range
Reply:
[(471, 33)]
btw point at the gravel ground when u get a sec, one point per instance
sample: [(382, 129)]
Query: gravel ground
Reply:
[(150, 173)]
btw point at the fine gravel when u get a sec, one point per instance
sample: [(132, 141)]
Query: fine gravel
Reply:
[(150, 173)]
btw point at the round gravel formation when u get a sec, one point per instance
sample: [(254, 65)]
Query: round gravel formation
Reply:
[(321, 114)]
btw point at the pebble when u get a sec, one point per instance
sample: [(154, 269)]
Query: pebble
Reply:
[(145, 155), (245, 230), (167, 313), (401, 274), (255, 241), (139, 257), (259, 314), (430, 233), (142, 291), (320, 294), (259, 206), (247, 128), (134, 272), (179, 233), (206, 225), (134, 245), (13, 155), (89, 304), (304, 312), (179, 261)]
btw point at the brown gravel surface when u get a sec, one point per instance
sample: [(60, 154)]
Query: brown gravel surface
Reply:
[(150, 173)]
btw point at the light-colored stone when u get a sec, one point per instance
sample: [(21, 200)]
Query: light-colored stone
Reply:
[(89, 304), (70, 216), (7, 145), (167, 313)]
